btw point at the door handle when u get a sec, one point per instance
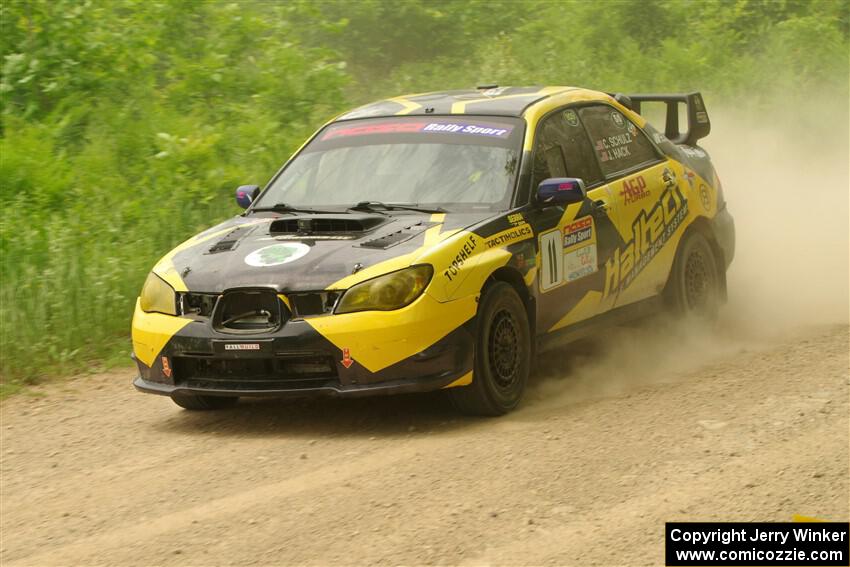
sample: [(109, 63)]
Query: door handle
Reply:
[(600, 207)]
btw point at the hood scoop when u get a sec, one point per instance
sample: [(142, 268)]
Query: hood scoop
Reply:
[(230, 240), (397, 237), (331, 225)]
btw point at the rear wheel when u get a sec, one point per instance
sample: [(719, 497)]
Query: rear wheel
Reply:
[(502, 355), (198, 402), (695, 281)]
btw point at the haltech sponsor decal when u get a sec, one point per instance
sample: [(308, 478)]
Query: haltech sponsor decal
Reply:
[(650, 231), (509, 236)]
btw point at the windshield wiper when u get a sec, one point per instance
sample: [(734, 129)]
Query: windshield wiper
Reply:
[(373, 206), (284, 208)]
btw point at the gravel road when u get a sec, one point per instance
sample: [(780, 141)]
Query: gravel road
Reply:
[(617, 436)]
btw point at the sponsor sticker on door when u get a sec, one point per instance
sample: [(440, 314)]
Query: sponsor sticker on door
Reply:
[(578, 231), (580, 262)]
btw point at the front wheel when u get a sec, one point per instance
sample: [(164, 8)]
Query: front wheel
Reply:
[(694, 287), (198, 402), (502, 355)]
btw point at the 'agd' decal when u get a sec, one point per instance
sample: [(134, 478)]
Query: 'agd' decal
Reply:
[(276, 254), (634, 190)]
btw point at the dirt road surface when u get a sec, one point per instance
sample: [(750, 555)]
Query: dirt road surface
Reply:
[(617, 437)]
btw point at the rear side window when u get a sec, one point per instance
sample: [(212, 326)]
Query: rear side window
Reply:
[(563, 150), (619, 145)]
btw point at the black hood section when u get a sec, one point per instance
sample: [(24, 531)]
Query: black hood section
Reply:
[(304, 252)]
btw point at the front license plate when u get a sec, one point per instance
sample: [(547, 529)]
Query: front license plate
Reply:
[(243, 348)]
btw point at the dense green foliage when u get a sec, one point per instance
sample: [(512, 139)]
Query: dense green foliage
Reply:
[(127, 124)]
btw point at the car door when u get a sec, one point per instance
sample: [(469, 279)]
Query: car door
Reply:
[(574, 242), (643, 186)]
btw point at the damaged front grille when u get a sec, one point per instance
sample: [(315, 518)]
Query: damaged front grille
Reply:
[(312, 303), (255, 311), (248, 311), (197, 304)]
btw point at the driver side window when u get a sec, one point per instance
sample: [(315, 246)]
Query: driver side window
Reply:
[(562, 149)]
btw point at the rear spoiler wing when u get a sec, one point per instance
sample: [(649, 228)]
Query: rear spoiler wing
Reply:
[(698, 123)]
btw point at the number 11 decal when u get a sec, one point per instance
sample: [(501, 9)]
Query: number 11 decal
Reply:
[(552, 260)]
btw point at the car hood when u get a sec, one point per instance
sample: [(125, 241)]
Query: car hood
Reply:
[(303, 252)]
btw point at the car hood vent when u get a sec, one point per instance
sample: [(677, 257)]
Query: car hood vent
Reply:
[(397, 237), (326, 224), (230, 240)]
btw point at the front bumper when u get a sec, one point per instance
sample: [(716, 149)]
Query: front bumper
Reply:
[(306, 358), (402, 386)]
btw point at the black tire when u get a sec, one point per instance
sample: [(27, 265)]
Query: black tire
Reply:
[(694, 287), (502, 355), (197, 402)]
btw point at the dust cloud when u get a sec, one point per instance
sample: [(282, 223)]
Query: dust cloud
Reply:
[(785, 178), (787, 185)]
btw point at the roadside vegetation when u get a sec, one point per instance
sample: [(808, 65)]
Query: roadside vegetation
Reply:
[(127, 124)]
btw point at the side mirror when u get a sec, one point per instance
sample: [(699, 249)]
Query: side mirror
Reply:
[(245, 195), (560, 191)]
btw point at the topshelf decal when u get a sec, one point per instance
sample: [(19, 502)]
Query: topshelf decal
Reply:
[(466, 128)]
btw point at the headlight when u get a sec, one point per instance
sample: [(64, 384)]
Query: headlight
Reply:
[(158, 296), (387, 292)]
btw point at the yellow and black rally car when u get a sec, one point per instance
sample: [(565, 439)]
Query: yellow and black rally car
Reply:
[(434, 241)]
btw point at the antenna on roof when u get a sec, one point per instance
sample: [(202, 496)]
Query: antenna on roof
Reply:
[(486, 87)]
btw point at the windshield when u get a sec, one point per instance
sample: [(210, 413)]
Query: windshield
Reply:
[(448, 162)]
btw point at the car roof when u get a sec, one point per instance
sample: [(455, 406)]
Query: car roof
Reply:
[(490, 101)]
